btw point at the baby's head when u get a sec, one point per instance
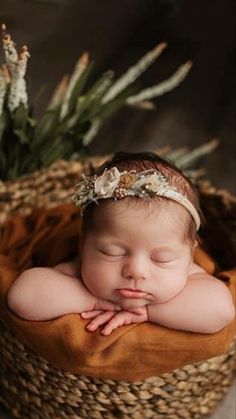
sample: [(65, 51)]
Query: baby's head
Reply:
[(140, 162), (144, 241)]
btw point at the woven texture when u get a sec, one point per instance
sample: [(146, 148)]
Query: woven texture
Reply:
[(32, 388)]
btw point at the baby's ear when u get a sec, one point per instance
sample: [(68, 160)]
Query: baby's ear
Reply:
[(197, 241), (195, 244)]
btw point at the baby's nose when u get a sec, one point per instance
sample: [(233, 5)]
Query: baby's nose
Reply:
[(135, 269)]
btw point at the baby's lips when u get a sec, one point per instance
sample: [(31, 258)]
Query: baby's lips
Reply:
[(131, 294)]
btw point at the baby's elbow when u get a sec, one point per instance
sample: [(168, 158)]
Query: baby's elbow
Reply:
[(20, 299), (228, 313), (223, 316), (14, 301)]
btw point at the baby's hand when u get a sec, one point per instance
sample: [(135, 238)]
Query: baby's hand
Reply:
[(113, 319)]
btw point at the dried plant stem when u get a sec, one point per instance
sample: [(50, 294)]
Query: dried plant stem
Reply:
[(194, 175), (188, 159), (92, 131), (59, 92), (3, 88), (161, 88), (175, 154), (134, 72), (146, 105), (80, 67)]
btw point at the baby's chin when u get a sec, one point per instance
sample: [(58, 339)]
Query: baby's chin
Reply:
[(130, 303)]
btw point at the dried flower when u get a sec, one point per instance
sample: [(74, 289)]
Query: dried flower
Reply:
[(126, 180), (107, 183), (17, 68), (153, 182)]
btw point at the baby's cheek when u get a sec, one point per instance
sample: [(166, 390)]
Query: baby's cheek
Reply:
[(97, 279), (170, 287)]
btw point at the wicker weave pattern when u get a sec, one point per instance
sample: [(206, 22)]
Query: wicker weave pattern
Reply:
[(44, 188), (32, 388)]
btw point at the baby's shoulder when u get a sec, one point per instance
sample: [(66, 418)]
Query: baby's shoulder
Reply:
[(195, 269), (70, 268)]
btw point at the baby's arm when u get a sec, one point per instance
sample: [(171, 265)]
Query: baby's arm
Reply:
[(47, 293), (205, 305)]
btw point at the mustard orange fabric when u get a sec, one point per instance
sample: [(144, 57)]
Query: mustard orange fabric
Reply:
[(130, 353)]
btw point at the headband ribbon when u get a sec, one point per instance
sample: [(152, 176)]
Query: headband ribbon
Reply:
[(117, 185)]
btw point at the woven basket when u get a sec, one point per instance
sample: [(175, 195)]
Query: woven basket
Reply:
[(30, 387)]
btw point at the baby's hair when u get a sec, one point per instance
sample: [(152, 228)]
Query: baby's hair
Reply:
[(145, 161)]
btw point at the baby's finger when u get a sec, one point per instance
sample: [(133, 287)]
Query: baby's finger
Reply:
[(108, 329), (115, 322), (90, 314), (99, 320), (138, 310)]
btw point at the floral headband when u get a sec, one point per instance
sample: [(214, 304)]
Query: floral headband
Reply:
[(117, 185)]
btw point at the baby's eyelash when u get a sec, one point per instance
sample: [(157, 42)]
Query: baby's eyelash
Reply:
[(109, 254), (162, 261)]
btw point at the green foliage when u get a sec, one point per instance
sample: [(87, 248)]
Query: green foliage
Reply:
[(73, 116), (27, 144)]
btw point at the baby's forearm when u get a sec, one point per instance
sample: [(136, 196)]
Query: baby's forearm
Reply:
[(205, 305), (46, 293)]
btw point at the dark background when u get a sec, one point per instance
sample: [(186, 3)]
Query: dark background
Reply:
[(116, 34)]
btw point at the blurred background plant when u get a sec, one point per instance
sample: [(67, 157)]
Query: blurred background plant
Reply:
[(75, 113)]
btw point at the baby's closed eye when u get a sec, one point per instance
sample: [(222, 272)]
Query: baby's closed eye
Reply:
[(115, 252), (158, 260), (163, 257), (163, 260)]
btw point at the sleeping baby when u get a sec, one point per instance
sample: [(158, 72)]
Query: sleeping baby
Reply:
[(140, 217)]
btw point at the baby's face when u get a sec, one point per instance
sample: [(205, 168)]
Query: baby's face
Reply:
[(135, 249)]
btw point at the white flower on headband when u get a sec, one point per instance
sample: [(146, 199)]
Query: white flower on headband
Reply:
[(153, 182), (106, 184)]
